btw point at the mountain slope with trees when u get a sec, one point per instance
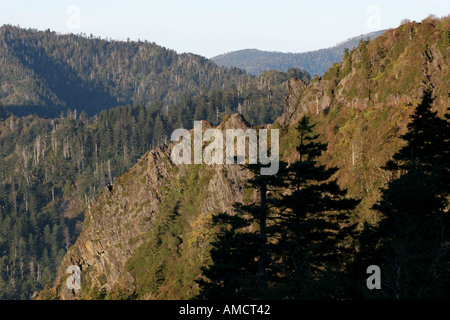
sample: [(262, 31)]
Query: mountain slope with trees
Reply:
[(152, 234), (52, 167), (91, 127), (44, 72), (363, 104), (314, 62)]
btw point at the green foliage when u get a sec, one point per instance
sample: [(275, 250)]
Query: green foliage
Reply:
[(391, 65), (242, 266), (314, 223), (288, 244), (233, 273), (332, 72), (49, 165), (63, 72), (366, 64), (411, 242), (178, 244), (54, 165), (105, 74), (51, 168)]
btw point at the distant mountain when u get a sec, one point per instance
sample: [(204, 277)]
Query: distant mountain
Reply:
[(255, 61), (47, 72)]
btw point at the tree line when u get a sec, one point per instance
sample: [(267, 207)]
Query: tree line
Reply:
[(44, 73), (297, 240)]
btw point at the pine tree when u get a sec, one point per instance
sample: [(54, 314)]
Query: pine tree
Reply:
[(233, 272), (367, 69), (314, 223), (413, 248), (265, 253), (346, 52), (242, 257), (4, 113)]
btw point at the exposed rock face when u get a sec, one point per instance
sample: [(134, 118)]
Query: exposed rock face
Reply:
[(116, 223), (113, 217), (397, 67), (295, 88), (370, 112)]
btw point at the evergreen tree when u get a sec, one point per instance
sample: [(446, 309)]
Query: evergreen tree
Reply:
[(290, 243), (4, 113), (314, 227), (242, 257), (367, 69), (200, 108), (346, 52), (412, 250), (233, 272)]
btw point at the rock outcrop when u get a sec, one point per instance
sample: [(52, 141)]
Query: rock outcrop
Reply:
[(118, 221), (389, 72)]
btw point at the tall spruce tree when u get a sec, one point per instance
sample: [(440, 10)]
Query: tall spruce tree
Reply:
[(243, 255), (233, 272), (314, 224), (289, 242), (411, 242)]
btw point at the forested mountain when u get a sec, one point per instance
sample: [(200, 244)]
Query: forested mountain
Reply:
[(364, 103), (314, 62), (44, 72), (51, 167), (363, 180)]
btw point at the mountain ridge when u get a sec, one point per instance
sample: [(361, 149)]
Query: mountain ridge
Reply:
[(46, 70), (363, 104), (256, 61), (127, 210), (359, 111)]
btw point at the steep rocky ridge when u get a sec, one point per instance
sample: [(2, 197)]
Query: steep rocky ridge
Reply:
[(118, 222), (362, 105), (158, 212), (390, 71)]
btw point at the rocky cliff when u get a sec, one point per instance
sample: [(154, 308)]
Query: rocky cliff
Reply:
[(123, 217), (362, 105), (149, 232), (388, 72)]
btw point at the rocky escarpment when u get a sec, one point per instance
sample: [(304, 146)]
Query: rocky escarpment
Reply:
[(389, 72), (362, 105), (126, 213)]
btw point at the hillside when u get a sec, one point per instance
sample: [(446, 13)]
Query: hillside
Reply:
[(150, 229), (52, 168), (314, 62), (363, 104), (149, 235), (53, 163), (45, 72)]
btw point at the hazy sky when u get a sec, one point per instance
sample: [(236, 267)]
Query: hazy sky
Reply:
[(212, 27)]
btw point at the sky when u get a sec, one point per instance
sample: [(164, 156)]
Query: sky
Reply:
[(212, 27)]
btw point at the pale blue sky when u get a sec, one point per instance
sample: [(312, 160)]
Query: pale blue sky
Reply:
[(212, 27)]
